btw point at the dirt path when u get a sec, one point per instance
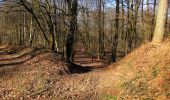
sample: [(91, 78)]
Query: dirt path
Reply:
[(82, 58)]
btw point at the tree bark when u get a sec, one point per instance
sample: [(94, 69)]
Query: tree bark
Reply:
[(160, 22), (101, 28), (72, 6), (114, 45), (153, 21)]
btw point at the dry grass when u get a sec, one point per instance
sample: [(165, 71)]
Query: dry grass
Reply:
[(145, 73)]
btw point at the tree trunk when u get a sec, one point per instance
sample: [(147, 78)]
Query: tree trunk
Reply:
[(160, 22), (153, 21), (114, 45), (101, 28), (131, 26), (31, 34), (72, 6)]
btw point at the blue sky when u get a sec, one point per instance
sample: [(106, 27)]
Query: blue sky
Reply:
[(111, 3)]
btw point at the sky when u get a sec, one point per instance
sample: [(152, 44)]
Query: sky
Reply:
[(112, 3)]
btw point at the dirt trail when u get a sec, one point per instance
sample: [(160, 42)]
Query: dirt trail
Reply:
[(82, 58)]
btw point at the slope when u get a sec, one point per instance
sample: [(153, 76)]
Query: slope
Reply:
[(144, 74)]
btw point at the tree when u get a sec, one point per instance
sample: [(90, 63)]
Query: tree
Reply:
[(99, 28), (160, 21), (100, 22), (28, 6), (114, 45), (153, 20), (72, 10)]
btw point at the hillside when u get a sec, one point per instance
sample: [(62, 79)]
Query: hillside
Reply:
[(27, 73), (145, 73)]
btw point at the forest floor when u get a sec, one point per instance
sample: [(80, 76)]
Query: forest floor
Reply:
[(33, 73)]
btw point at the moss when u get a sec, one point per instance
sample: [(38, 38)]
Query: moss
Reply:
[(109, 97), (155, 72)]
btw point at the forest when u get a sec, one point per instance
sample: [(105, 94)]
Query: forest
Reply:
[(85, 49)]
